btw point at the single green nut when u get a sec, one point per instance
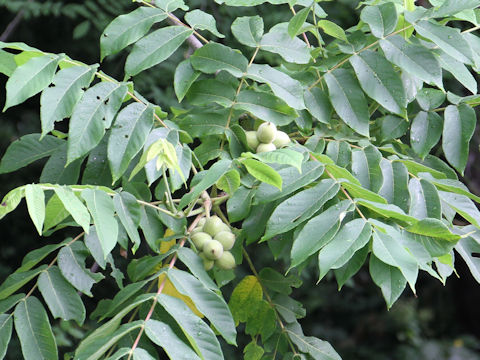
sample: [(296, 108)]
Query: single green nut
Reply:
[(252, 140), (225, 227), (226, 238), (226, 261), (265, 148), (207, 263), (212, 249), (266, 132), (199, 239), (212, 225), (281, 139)]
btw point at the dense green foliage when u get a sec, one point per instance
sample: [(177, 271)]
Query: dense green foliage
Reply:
[(362, 180)]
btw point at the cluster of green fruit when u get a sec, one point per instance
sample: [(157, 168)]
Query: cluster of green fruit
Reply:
[(266, 138), (213, 239)]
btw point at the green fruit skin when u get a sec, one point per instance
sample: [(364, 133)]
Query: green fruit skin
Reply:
[(281, 139), (265, 148), (252, 140), (226, 261), (199, 239), (212, 225), (196, 230), (266, 132), (226, 238), (212, 249), (225, 227), (207, 263)]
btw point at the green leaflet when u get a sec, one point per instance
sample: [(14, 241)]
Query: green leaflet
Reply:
[(213, 57), (263, 172), (248, 30), (388, 278), (200, 20)]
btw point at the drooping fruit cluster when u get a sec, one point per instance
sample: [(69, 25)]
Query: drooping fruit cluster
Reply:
[(213, 239), (266, 138)]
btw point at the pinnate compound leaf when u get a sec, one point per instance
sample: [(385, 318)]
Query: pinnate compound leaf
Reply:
[(207, 302), (36, 205), (200, 20), (199, 334), (30, 78), (353, 236), (34, 331), (458, 129), (263, 172), (102, 210), (71, 261), (5, 333), (164, 336), (382, 19), (213, 57), (248, 30), (413, 58), (388, 278), (300, 207), (91, 116), (348, 100), (425, 132), (128, 28), (28, 149), (74, 206), (379, 80), (16, 280), (155, 48), (61, 298), (58, 100), (128, 135)]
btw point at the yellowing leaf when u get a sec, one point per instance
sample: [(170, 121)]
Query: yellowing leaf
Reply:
[(166, 245), (169, 289)]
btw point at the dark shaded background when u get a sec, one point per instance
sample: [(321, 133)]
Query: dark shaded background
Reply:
[(440, 323)]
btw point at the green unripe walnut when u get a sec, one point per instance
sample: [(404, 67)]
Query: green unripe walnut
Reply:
[(196, 230), (212, 249), (199, 239), (212, 225), (226, 238), (266, 132), (265, 148), (207, 263), (281, 139), (252, 140), (225, 227), (226, 261)]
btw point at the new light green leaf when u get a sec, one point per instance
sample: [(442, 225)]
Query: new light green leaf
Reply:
[(71, 261), (61, 298), (248, 30), (200, 20), (348, 100), (74, 206), (207, 302), (102, 210), (229, 182), (30, 78), (266, 107), (300, 207), (128, 28), (332, 29), (93, 113), (128, 135), (282, 85), (318, 232), (5, 333), (200, 336), (213, 57), (353, 236), (380, 81), (59, 99), (388, 278), (164, 336), (458, 129), (291, 50), (34, 331), (155, 48), (382, 19), (263, 172), (36, 205), (413, 58), (446, 38), (28, 149), (425, 132)]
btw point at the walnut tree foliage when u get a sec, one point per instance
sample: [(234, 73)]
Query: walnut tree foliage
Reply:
[(371, 174)]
